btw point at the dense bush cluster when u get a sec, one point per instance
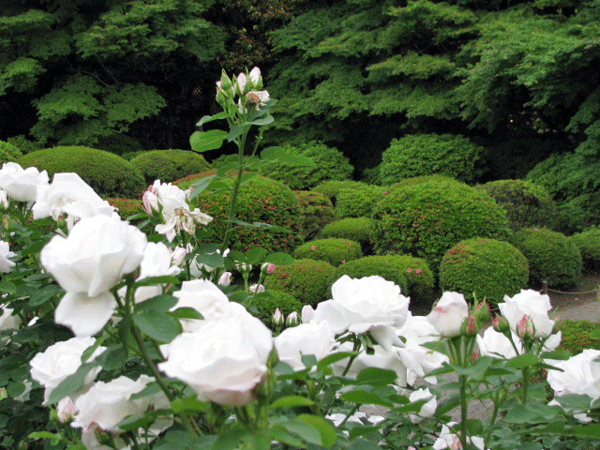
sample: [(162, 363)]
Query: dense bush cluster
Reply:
[(358, 200), (9, 152), (168, 165), (484, 269), (316, 211), (426, 154), (358, 229), (552, 257), (588, 243), (108, 174), (576, 335), (335, 251), (332, 188), (306, 279), (426, 219)]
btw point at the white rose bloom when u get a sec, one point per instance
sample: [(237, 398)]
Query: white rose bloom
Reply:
[(22, 184), (421, 360), (528, 308), (223, 361), (4, 198), (580, 375), (428, 408), (60, 360), (357, 417), (497, 345), (449, 313), (8, 321), (5, 253), (418, 330), (370, 304), (157, 262), (305, 339), (451, 441), (87, 264)]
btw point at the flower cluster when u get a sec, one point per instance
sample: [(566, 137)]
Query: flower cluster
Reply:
[(247, 87)]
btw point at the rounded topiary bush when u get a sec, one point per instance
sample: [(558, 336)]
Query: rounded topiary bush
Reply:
[(358, 229), (9, 152), (260, 200), (426, 219), (484, 269), (330, 164), (267, 302), (334, 250), (332, 188), (588, 243), (316, 210), (358, 200), (418, 274), (109, 175), (552, 257), (526, 203), (425, 154), (305, 279), (168, 165)]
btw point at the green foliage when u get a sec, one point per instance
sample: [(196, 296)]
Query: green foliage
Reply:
[(358, 200), (316, 211), (358, 229), (330, 164), (588, 243), (575, 335), (109, 175), (127, 207), (526, 203), (426, 154), (426, 219), (267, 302), (305, 279), (467, 266), (552, 257), (23, 144), (335, 251), (332, 188), (9, 152), (168, 165)]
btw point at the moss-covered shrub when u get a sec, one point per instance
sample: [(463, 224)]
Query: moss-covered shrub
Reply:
[(552, 257), (332, 188), (305, 279), (330, 164), (261, 200), (128, 207), (267, 302), (484, 269), (576, 336), (358, 229), (109, 175), (335, 251), (358, 200), (316, 211), (426, 219), (9, 152), (526, 203), (168, 165), (588, 243), (425, 154)]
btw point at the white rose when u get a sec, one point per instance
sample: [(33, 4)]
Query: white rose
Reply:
[(418, 330), (5, 253), (8, 320), (22, 185), (580, 375), (60, 360), (421, 360), (449, 313), (497, 345), (87, 264), (157, 262), (452, 442), (528, 309), (427, 409), (223, 361), (305, 339)]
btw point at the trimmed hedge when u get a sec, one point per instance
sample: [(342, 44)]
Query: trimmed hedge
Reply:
[(358, 229), (358, 200), (267, 302), (316, 210), (426, 219), (9, 152), (335, 251), (168, 165), (552, 257), (305, 279), (109, 175), (588, 243), (426, 154), (332, 188), (484, 269)]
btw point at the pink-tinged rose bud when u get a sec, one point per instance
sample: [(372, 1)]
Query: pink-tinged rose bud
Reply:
[(474, 356), (241, 84), (278, 319), (178, 254), (501, 325), (449, 314), (225, 82), (525, 328), (65, 410), (470, 327), (308, 313), (255, 78), (293, 319), (150, 199), (482, 312), (270, 268), (257, 288), (418, 271), (225, 279)]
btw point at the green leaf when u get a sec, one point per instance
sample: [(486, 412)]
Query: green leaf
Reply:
[(157, 326), (518, 362), (201, 185), (150, 389), (190, 403), (376, 377), (151, 281), (207, 119), (112, 358), (256, 255), (159, 303), (291, 400), (280, 155), (324, 428), (43, 295), (281, 435), (43, 435), (130, 423), (260, 122), (335, 357), (230, 440), (186, 313), (72, 383), (279, 259), (236, 131), (361, 397), (202, 141), (8, 287)]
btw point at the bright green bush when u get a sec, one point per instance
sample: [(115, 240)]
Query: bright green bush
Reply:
[(168, 165), (267, 302), (484, 269), (109, 175), (588, 243), (259, 200), (426, 219), (330, 164), (552, 257), (576, 336), (332, 188), (23, 144), (358, 229), (358, 200), (316, 211), (335, 251), (128, 207), (426, 154), (305, 279), (9, 152), (526, 203)]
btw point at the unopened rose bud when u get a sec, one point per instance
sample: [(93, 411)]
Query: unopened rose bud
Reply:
[(178, 255), (240, 84), (482, 312), (268, 268), (501, 325), (224, 83), (308, 313), (65, 409), (525, 328), (278, 319), (469, 327), (225, 279), (255, 78), (293, 319), (244, 268), (257, 288)]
